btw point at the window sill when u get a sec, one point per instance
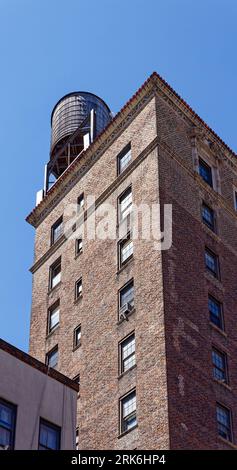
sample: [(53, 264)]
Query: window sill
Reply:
[(52, 332), (210, 231), (228, 443), (126, 432), (214, 280), (76, 347), (76, 301), (53, 289), (223, 384), (127, 371), (127, 316), (57, 242), (212, 188), (128, 263), (216, 328), (78, 254)]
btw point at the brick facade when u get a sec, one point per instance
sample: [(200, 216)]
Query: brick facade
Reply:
[(176, 394)]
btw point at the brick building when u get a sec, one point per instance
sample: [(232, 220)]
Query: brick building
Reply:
[(165, 377)]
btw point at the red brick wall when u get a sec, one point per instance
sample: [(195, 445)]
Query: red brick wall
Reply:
[(171, 320)]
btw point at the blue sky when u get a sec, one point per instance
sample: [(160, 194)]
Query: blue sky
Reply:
[(109, 47)]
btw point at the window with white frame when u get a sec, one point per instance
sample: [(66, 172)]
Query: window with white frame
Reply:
[(124, 159), (78, 289), (55, 273), (56, 230), (125, 204), (125, 250), (127, 353), (53, 316), (126, 294), (128, 418), (77, 337), (52, 358)]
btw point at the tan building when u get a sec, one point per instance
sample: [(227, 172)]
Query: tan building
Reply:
[(151, 333), (37, 404)]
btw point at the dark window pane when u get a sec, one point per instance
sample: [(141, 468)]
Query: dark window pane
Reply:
[(208, 216), (78, 289), (52, 358), (224, 422), (211, 261), (77, 336), (219, 365), (215, 311), (80, 202), (7, 424), (205, 172), (78, 246), (57, 230), (49, 436), (5, 437), (127, 295)]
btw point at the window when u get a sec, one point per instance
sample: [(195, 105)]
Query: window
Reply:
[(128, 412), (215, 311), (212, 262), (125, 204), (49, 436), (7, 425), (56, 230), (52, 358), (53, 317), (55, 273), (224, 422), (78, 246), (127, 353), (208, 216), (77, 337), (125, 250), (219, 361), (77, 379), (126, 295), (124, 159), (78, 289), (205, 172), (80, 202), (235, 199)]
